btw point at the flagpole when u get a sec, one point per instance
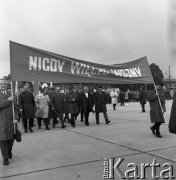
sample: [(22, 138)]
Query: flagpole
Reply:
[(159, 100), (13, 111), (17, 92)]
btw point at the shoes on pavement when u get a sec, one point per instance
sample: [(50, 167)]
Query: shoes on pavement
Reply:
[(63, 126), (153, 130), (158, 135), (31, 130), (108, 121), (6, 162), (87, 123)]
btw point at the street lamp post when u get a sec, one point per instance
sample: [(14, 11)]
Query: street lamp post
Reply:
[(169, 77)]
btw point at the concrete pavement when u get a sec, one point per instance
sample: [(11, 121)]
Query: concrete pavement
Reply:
[(78, 153)]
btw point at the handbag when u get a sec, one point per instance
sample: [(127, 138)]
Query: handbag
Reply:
[(17, 133)]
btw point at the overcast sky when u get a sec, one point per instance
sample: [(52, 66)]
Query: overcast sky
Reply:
[(102, 31)]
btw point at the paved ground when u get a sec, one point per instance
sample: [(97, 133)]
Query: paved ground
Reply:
[(78, 153)]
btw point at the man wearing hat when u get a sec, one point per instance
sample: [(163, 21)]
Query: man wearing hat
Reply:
[(100, 101), (156, 111)]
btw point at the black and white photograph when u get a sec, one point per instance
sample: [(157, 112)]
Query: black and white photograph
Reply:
[(87, 89)]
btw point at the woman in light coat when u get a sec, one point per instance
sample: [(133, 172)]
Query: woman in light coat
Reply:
[(42, 103), (114, 96)]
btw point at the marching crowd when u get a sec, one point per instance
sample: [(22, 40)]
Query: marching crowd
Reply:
[(66, 105), (56, 104)]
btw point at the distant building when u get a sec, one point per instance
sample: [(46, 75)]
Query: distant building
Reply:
[(170, 83)]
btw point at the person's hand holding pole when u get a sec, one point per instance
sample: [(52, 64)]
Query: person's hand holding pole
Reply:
[(11, 99), (15, 121), (157, 94)]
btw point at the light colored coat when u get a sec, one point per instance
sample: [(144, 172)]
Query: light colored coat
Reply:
[(114, 96), (42, 106)]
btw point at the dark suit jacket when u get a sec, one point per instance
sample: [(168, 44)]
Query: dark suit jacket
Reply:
[(57, 102), (6, 118), (100, 101), (156, 114), (172, 121), (71, 103), (142, 97), (27, 103), (86, 103)]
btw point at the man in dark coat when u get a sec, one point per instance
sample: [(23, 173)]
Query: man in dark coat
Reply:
[(27, 108), (66, 117), (100, 101), (51, 92), (71, 104), (172, 121), (122, 98), (156, 111), (86, 102), (6, 125), (142, 98), (79, 92), (57, 102)]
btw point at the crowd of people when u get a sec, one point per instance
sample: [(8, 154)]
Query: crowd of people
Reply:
[(54, 105)]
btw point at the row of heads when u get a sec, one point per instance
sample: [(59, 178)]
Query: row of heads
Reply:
[(26, 86), (71, 89)]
